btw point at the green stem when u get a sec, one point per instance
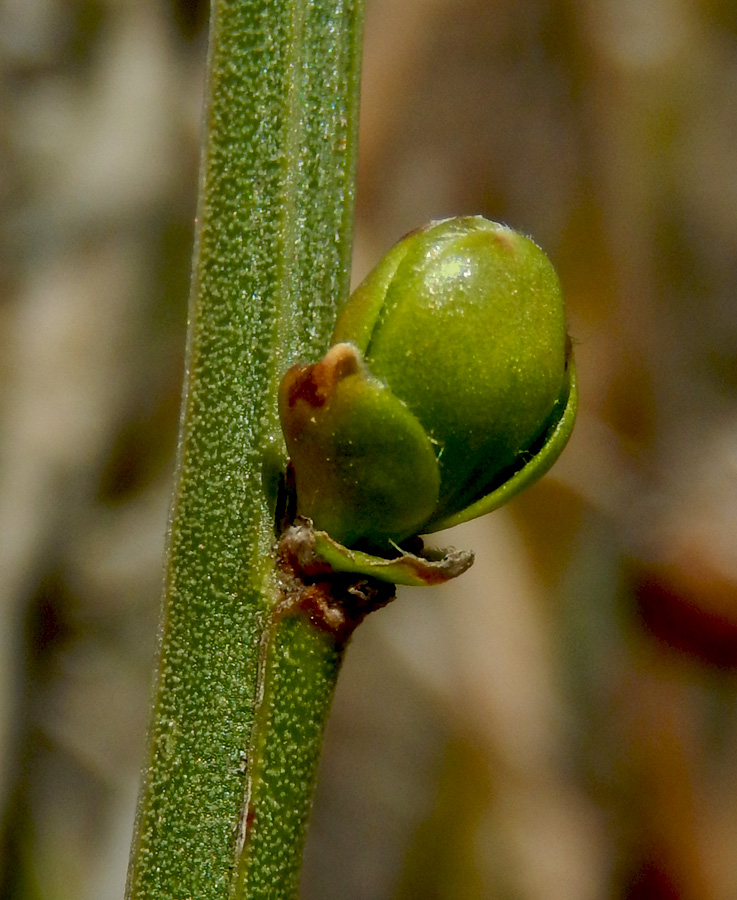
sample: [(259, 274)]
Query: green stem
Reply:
[(272, 261), (300, 664)]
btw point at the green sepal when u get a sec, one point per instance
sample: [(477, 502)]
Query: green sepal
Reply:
[(364, 467), (358, 316), (553, 442)]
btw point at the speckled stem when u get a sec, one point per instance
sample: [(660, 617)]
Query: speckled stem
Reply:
[(271, 262), (299, 668)]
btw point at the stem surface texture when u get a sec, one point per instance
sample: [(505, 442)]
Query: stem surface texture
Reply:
[(241, 695)]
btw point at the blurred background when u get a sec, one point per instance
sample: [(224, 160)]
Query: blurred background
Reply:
[(560, 723)]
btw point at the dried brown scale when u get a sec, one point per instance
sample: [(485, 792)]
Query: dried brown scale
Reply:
[(333, 602)]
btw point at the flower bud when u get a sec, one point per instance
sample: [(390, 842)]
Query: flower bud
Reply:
[(448, 387)]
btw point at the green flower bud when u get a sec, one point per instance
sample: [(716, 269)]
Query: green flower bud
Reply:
[(448, 388)]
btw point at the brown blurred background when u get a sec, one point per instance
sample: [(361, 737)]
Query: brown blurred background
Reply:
[(560, 723)]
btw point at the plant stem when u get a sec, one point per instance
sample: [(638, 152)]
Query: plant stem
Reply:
[(300, 666), (271, 262)]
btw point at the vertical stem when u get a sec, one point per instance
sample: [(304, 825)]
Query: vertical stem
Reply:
[(271, 262), (300, 665)]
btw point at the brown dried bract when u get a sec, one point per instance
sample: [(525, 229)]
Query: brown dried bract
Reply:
[(334, 602)]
